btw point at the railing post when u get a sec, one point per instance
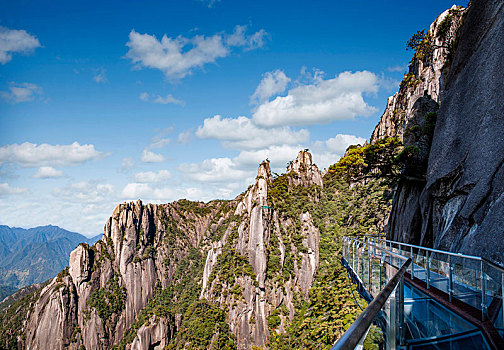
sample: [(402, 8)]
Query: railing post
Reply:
[(400, 311), (427, 269), (390, 255), (502, 304), (392, 325), (450, 278), (369, 266), (484, 311), (381, 273), (353, 256), (412, 268)]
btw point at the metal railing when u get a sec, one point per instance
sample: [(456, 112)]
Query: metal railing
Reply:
[(358, 330), (471, 279)]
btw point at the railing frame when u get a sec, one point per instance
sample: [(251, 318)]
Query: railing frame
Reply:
[(429, 252), (359, 328)]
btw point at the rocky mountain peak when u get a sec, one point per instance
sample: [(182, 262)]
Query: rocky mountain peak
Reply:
[(305, 172), (425, 77), (264, 170)]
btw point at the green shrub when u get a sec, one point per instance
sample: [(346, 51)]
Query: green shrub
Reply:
[(108, 300)]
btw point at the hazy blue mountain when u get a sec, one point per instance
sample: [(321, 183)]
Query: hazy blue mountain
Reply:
[(34, 255)]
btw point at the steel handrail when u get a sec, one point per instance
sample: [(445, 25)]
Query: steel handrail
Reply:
[(460, 255), (358, 329)]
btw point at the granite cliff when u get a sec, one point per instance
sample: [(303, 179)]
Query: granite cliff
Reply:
[(132, 288), (450, 194)]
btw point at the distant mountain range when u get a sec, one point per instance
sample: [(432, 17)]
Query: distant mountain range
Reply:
[(29, 256)]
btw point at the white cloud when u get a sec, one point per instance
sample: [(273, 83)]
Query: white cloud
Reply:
[(168, 99), (6, 190), (184, 137), (156, 194), (388, 84), (15, 41), (237, 172), (86, 192), (100, 77), (33, 155), (159, 140), (340, 143), (239, 38), (21, 92), (214, 170), (321, 102), (328, 152), (151, 157), (272, 83), (152, 177), (47, 172), (242, 133), (144, 96), (127, 164), (278, 155), (397, 68), (177, 57)]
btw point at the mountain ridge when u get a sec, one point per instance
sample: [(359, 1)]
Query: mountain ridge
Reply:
[(33, 255)]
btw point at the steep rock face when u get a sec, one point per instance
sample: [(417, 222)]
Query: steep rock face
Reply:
[(306, 172), (106, 286), (460, 206), (132, 288), (425, 77), (410, 116), (462, 202), (263, 238)]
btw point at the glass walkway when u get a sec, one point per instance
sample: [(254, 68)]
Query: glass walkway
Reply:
[(423, 298)]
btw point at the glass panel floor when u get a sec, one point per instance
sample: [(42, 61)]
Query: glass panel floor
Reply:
[(432, 326)]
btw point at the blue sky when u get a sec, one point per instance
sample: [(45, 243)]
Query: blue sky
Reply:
[(102, 103)]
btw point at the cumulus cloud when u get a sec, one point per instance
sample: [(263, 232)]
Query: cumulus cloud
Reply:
[(6, 190), (239, 171), (214, 170), (242, 133), (328, 152), (320, 102), (278, 155), (47, 172), (153, 194), (178, 57), (33, 155), (144, 96), (15, 41), (86, 192), (272, 83), (21, 92), (100, 77), (152, 177), (151, 157)]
